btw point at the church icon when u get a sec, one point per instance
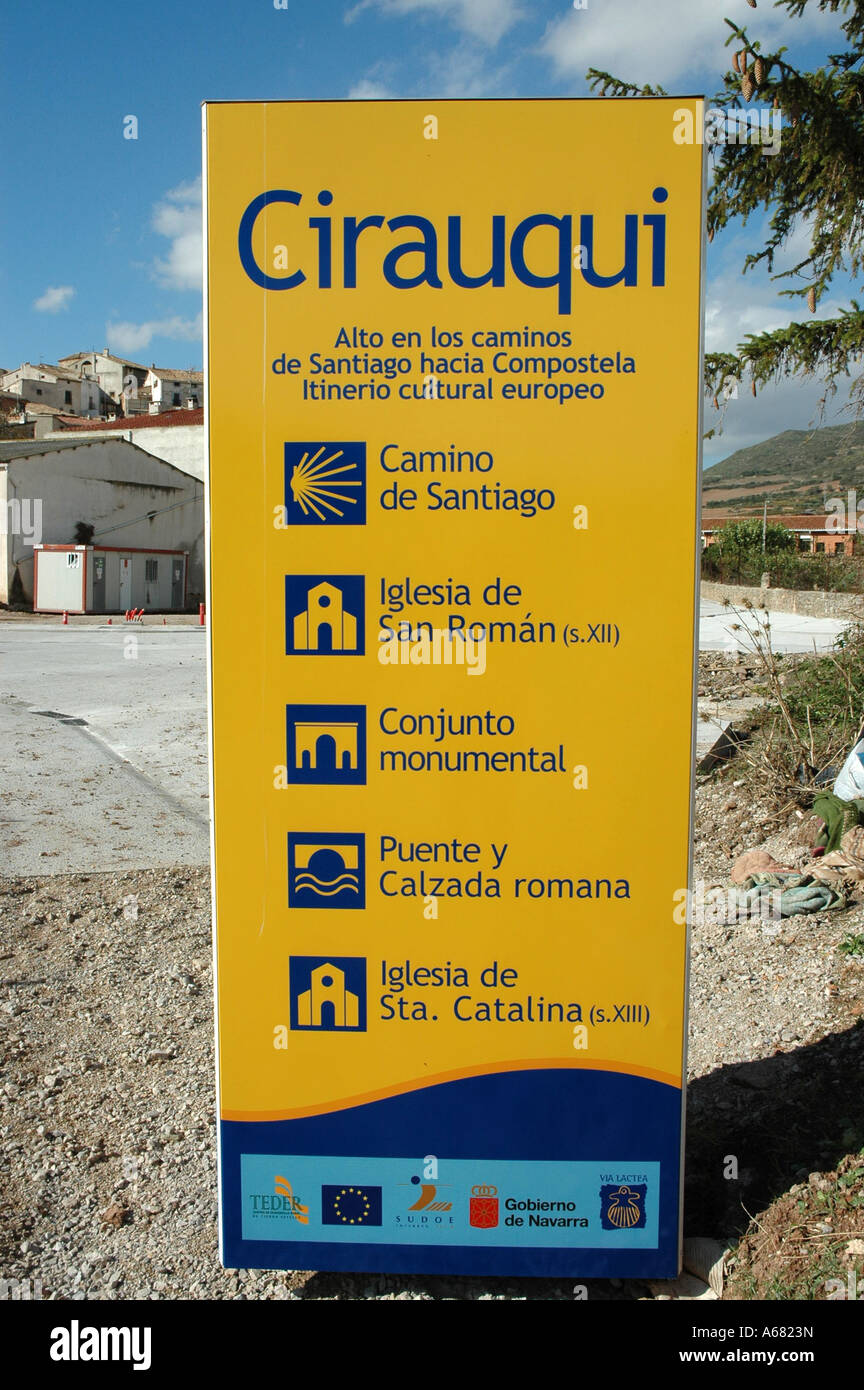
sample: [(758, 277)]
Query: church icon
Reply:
[(328, 993), (326, 744), (324, 615)]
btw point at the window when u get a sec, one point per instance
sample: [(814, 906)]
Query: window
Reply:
[(176, 400), (820, 545), (67, 397), (73, 560), (151, 571), (38, 390)]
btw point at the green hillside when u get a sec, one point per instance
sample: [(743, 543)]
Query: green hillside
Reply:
[(796, 471)]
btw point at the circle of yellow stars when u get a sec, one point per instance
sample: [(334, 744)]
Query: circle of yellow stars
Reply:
[(351, 1220)]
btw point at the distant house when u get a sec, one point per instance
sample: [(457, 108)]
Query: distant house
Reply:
[(121, 380), (125, 496), (819, 534), (172, 387), (41, 383)]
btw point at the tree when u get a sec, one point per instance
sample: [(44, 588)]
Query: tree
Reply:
[(816, 179), (740, 540)]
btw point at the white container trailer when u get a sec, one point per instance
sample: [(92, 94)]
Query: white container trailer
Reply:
[(107, 579)]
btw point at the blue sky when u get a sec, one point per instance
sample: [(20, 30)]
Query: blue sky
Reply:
[(101, 234)]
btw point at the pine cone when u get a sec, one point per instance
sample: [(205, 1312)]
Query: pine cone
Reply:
[(811, 299), (776, 103), (752, 388), (735, 61), (748, 86), (715, 402), (710, 233), (752, 4), (759, 71)]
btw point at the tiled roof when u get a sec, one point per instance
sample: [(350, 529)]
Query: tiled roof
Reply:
[(178, 373), (95, 352), (169, 418)]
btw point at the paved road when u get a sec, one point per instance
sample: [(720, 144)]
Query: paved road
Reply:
[(103, 748), (103, 740), (790, 632)]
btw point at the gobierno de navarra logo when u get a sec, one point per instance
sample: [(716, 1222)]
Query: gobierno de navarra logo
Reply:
[(483, 1206)]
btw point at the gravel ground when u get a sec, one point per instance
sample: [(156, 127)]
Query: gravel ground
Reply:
[(107, 1186)]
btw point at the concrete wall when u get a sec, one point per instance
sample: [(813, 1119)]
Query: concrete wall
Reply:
[(112, 486), (813, 603), (182, 445)]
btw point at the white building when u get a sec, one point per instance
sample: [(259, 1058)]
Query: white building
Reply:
[(121, 494), (43, 384), (120, 379), (174, 386), (177, 436)]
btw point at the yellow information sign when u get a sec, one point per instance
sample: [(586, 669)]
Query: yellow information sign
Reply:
[(454, 386)]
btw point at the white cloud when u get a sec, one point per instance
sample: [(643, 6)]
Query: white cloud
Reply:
[(462, 72), (54, 299), (788, 405), (487, 20), (133, 337), (178, 217), (737, 304), (368, 90), (645, 43)]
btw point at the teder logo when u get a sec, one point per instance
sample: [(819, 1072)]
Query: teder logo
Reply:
[(77, 1343), (622, 1207), (296, 1209)]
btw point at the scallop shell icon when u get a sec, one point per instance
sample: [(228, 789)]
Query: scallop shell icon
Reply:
[(325, 484), (624, 1208)]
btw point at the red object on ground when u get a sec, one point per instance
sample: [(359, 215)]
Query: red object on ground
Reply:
[(201, 615), (110, 621), (65, 618)]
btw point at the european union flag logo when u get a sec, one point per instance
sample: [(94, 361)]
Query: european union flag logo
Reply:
[(350, 1206), (622, 1206)]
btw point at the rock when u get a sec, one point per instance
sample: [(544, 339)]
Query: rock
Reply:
[(754, 861), (115, 1215)]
